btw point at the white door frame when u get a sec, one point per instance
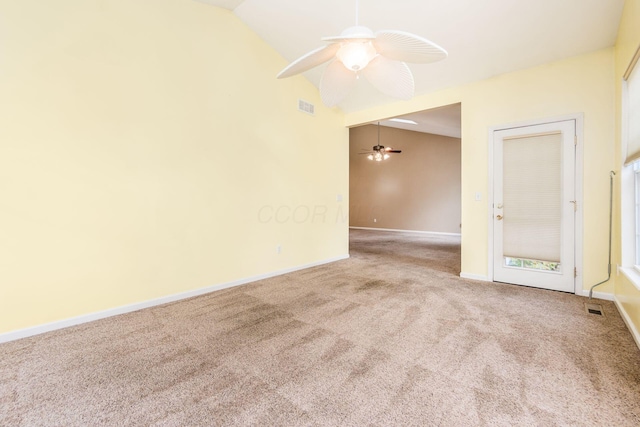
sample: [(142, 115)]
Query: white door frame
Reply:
[(579, 118)]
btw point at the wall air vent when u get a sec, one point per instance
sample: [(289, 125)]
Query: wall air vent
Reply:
[(306, 107)]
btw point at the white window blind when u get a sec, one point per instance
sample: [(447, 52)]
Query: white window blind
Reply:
[(632, 124), (532, 197)]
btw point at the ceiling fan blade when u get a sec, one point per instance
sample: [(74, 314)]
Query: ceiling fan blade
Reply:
[(407, 47), (390, 77), (352, 33), (391, 150), (336, 83), (310, 60)]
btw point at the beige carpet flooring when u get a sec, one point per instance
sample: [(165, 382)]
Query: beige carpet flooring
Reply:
[(389, 337)]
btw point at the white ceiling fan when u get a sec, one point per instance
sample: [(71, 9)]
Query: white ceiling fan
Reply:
[(380, 57)]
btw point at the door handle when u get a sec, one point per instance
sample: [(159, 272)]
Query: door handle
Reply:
[(499, 217)]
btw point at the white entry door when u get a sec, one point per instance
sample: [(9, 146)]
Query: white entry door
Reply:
[(534, 205)]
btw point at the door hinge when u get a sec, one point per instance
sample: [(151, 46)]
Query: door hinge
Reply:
[(575, 271), (575, 139), (575, 205)]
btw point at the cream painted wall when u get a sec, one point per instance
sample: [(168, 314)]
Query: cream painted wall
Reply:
[(583, 84), (145, 148), (418, 189), (628, 41)]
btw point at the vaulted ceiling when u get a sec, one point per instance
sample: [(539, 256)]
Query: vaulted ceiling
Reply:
[(484, 38)]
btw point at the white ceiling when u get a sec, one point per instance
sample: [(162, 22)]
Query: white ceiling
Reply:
[(484, 38), (439, 121), (226, 4)]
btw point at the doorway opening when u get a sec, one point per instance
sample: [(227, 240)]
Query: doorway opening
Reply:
[(417, 187)]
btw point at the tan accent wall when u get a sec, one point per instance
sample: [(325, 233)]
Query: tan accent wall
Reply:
[(418, 189)]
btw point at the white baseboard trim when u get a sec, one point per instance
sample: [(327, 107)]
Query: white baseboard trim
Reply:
[(430, 233), (475, 277), (585, 292), (599, 295), (627, 320), (85, 318)]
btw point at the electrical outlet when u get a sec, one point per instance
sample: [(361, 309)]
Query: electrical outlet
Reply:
[(375, 220), (278, 249)]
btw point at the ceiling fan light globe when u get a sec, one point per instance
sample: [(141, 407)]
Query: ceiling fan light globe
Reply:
[(386, 156), (370, 157), (355, 55)]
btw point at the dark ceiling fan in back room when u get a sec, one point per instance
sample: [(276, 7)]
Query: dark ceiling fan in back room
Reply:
[(380, 57), (380, 152)]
